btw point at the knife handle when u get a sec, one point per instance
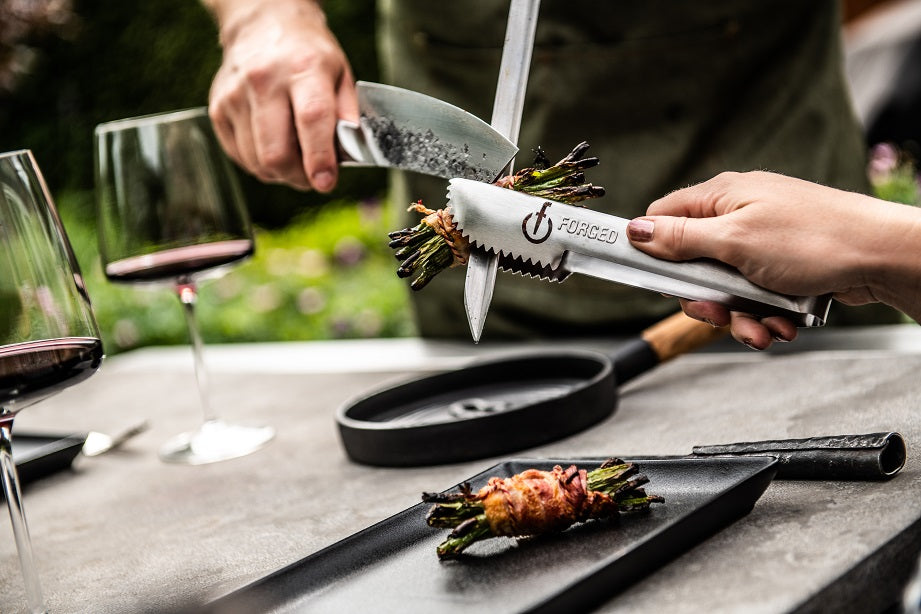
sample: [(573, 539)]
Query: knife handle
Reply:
[(874, 456)]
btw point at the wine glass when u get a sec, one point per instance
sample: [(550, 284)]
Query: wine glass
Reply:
[(48, 336), (170, 211)]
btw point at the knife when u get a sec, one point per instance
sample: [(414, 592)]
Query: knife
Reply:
[(506, 117), (402, 129), (551, 240)]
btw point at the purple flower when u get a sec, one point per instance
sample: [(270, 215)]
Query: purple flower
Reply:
[(884, 160)]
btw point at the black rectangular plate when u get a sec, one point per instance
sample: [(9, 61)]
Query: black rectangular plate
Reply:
[(392, 566), (37, 455)]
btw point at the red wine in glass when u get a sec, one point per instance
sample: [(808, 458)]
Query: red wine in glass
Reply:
[(180, 262), (170, 210), (48, 335)]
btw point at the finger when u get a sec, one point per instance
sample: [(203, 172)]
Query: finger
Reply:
[(314, 105), (748, 330), (707, 199), (224, 132), (275, 142), (347, 97), (222, 110), (781, 328), (675, 238), (713, 314)]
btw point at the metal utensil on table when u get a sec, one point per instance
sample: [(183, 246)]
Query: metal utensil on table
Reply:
[(506, 118), (399, 128), (550, 240), (503, 405), (99, 443)]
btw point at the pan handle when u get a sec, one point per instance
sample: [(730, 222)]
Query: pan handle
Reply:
[(873, 456), (666, 339)]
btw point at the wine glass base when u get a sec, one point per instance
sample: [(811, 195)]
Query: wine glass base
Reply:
[(215, 441)]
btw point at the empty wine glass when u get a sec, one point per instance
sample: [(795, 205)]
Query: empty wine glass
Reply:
[(170, 210), (48, 336)]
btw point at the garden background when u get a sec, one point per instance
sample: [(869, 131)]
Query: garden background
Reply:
[(322, 267)]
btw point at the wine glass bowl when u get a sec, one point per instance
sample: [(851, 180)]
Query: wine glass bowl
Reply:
[(48, 335), (170, 211), (169, 202)]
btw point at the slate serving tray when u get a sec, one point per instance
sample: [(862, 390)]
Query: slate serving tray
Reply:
[(37, 455), (392, 566)]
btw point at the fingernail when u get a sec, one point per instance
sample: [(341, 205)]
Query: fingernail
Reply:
[(710, 322), (322, 181), (640, 230), (780, 339), (747, 341)]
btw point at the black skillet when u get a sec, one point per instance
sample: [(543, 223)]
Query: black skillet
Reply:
[(499, 406)]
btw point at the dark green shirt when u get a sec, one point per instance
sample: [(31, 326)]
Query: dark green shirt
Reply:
[(668, 93)]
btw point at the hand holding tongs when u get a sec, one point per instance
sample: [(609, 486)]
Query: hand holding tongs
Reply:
[(551, 240)]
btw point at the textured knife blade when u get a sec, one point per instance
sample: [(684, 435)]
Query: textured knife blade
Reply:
[(411, 131)]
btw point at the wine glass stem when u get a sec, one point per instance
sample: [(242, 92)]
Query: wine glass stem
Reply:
[(188, 295), (13, 496)]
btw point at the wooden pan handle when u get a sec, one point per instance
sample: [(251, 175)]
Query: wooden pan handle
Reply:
[(679, 334)]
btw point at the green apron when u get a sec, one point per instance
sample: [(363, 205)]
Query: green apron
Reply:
[(668, 93)]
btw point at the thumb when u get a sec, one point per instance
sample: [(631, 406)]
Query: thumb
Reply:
[(672, 238)]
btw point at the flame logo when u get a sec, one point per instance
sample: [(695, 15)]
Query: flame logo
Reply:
[(535, 236)]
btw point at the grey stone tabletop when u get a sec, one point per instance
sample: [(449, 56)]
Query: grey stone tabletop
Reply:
[(124, 532)]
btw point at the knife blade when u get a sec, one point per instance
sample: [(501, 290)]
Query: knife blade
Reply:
[(552, 240), (402, 129), (506, 118)]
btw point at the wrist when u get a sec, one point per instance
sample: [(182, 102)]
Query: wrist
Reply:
[(233, 16), (893, 271)]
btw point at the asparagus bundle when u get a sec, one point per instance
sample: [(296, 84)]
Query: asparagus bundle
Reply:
[(435, 244), (535, 502)]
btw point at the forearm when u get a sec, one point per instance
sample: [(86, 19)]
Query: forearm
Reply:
[(893, 257)]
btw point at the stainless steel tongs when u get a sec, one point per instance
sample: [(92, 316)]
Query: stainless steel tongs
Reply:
[(551, 240)]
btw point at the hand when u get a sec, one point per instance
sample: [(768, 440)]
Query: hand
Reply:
[(790, 236), (283, 84)]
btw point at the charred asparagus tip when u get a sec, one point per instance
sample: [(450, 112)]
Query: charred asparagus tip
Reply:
[(453, 546), (443, 247)]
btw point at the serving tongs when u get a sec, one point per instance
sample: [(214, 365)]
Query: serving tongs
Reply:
[(551, 240)]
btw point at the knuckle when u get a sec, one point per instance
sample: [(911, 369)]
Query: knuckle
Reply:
[(258, 75), (677, 236), (311, 111), (274, 159)]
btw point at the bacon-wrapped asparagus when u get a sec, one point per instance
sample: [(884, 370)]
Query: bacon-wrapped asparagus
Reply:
[(435, 244), (535, 502)]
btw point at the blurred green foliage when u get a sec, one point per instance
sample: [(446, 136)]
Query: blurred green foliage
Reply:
[(328, 274), (894, 174)]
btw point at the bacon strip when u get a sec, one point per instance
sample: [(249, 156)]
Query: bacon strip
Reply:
[(535, 502)]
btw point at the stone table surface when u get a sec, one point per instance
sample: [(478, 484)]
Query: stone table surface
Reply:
[(124, 532)]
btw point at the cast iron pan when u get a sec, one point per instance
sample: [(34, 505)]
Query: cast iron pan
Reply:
[(500, 406)]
